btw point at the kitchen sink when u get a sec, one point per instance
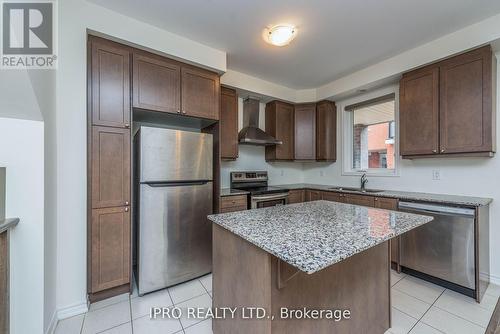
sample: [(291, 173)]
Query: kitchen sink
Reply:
[(356, 190)]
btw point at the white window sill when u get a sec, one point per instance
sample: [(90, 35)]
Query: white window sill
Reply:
[(368, 173)]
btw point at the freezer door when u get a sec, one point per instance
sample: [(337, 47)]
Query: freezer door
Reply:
[(174, 155), (175, 236)]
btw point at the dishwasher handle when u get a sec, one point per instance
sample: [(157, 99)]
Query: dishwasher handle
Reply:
[(437, 209)]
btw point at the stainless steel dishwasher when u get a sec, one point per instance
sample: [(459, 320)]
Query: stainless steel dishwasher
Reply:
[(442, 249)]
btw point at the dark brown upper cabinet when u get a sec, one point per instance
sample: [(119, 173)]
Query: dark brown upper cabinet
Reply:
[(109, 83), (109, 248), (156, 83), (229, 124), (305, 131), (280, 125), (466, 103), (446, 109), (200, 93), (419, 112), (165, 85), (110, 156), (326, 131)]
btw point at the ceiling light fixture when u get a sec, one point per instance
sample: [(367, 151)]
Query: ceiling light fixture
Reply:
[(280, 35)]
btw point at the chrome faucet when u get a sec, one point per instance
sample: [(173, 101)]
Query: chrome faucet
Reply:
[(364, 181)]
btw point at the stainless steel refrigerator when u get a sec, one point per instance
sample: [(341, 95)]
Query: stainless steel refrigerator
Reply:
[(173, 171)]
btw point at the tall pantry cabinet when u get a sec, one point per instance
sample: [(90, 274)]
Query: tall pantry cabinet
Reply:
[(109, 161)]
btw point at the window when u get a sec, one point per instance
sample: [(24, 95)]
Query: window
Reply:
[(369, 138)]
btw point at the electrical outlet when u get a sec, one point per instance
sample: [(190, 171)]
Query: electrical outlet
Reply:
[(321, 173), (436, 174), (282, 172)]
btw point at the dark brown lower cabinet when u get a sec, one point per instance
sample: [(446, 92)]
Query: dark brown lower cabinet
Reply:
[(296, 196), (110, 248), (332, 196), (359, 200), (313, 195)]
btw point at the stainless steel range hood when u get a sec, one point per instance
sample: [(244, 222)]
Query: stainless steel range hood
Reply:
[(251, 134)]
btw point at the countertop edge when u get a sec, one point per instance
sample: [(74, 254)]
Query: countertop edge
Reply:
[(404, 195)]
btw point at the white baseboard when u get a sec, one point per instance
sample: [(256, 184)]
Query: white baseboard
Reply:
[(53, 323), (71, 311), (494, 279)]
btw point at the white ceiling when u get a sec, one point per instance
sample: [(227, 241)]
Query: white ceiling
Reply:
[(335, 37)]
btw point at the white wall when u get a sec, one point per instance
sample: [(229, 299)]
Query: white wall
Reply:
[(459, 176), (22, 153), (75, 17), (253, 158), (43, 84)]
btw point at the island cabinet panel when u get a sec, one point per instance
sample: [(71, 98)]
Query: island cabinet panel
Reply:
[(419, 112), (280, 125), (326, 131), (200, 93), (109, 78), (233, 203), (156, 83), (332, 196), (110, 154), (359, 200), (313, 195), (466, 103), (268, 282), (229, 124), (296, 196), (110, 248), (305, 131)]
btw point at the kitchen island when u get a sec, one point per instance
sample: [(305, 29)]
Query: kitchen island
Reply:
[(315, 256)]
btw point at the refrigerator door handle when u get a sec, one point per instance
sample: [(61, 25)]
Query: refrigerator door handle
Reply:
[(161, 184)]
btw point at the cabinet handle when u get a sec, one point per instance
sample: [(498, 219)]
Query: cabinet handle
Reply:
[(126, 209), (434, 151), (126, 203), (178, 111), (376, 199), (443, 150), (184, 111), (127, 126)]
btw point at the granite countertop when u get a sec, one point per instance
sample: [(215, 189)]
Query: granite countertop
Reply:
[(404, 195), (314, 235), (232, 192)]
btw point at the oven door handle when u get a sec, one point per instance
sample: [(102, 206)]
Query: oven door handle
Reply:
[(265, 198)]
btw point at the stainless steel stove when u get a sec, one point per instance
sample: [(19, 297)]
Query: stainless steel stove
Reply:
[(261, 194)]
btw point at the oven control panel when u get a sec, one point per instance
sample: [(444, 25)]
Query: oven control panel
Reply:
[(248, 176)]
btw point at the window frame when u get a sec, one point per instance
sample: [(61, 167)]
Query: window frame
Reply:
[(347, 134)]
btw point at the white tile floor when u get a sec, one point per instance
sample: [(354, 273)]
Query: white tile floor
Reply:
[(418, 307)]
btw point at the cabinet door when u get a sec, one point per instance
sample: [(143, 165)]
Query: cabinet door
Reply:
[(326, 131), (280, 125), (386, 203), (465, 103), (200, 93), (305, 131), (419, 112), (110, 154), (109, 83), (360, 200), (229, 124), (296, 196), (333, 196), (110, 248), (157, 83), (313, 195)]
